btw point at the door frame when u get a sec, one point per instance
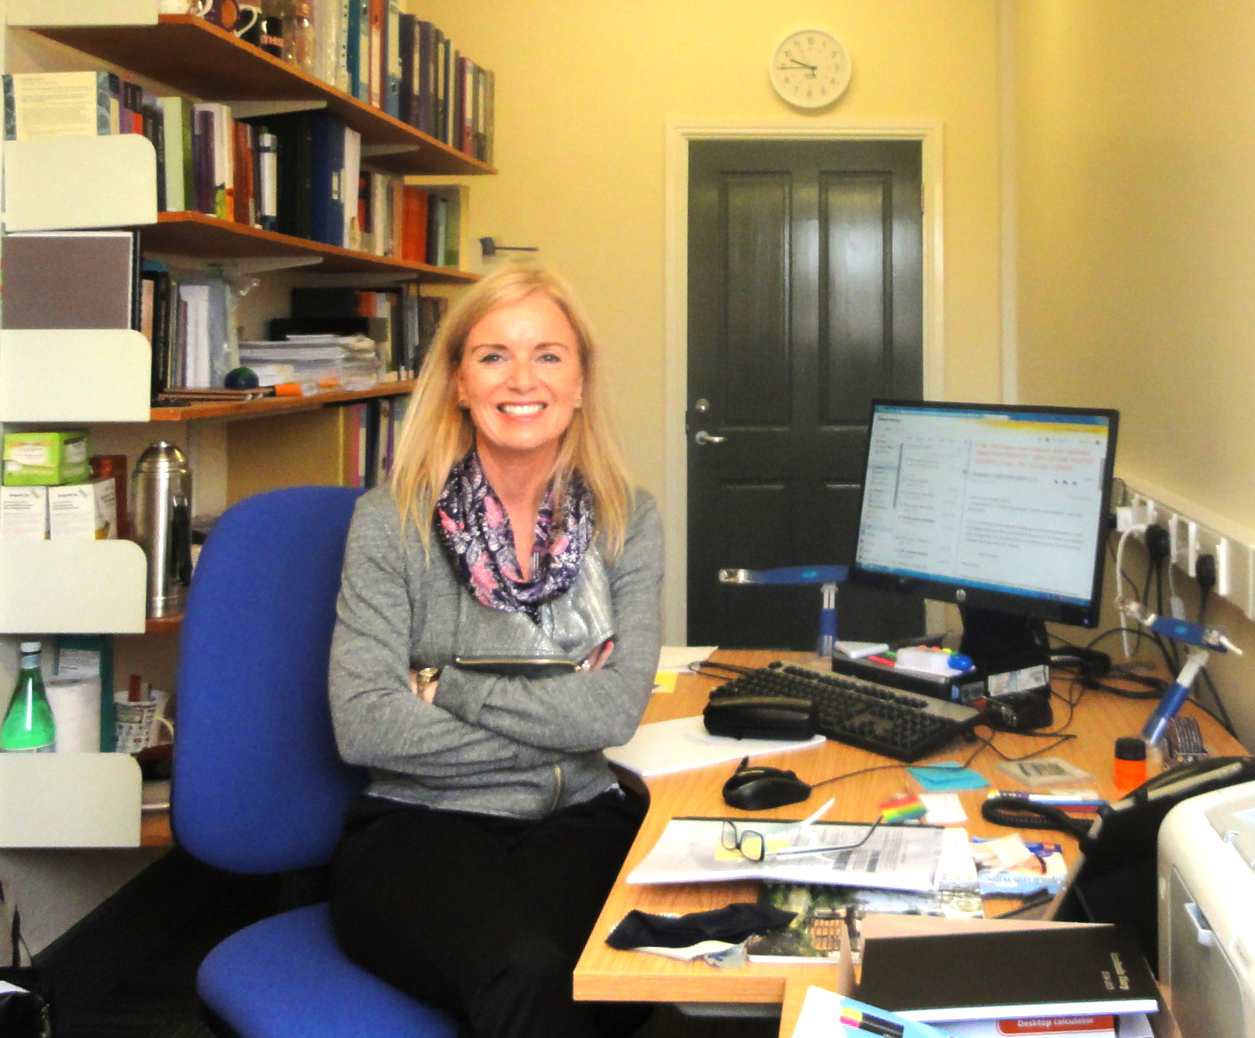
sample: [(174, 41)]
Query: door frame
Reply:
[(675, 350)]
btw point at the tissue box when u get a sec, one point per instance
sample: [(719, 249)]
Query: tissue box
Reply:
[(88, 510), (45, 458), (24, 512)]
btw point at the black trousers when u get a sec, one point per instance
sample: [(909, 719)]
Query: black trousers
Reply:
[(483, 916)]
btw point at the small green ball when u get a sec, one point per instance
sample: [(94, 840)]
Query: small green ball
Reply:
[(241, 378)]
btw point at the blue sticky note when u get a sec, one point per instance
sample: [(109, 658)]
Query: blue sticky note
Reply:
[(947, 776)]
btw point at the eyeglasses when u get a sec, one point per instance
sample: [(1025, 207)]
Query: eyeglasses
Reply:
[(753, 844)]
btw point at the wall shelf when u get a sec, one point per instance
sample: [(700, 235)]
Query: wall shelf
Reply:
[(202, 237), (272, 406)]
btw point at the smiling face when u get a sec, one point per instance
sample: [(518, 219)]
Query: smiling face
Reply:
[(521, 378)]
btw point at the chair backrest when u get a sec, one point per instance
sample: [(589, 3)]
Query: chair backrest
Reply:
[(258, 785)]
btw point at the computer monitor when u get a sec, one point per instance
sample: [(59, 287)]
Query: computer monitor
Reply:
[(1001, 510)]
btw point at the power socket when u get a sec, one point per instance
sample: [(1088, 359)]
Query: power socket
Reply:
[(1142, 509), (1188, 539), (1204, 541), (1179, 542)]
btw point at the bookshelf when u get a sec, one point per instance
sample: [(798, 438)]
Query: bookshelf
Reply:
[(103, 376), (201, 60)]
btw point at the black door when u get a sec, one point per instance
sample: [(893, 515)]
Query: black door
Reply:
[(804, 303)]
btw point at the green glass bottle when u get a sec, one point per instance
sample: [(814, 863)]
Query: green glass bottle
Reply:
[(28, 725)]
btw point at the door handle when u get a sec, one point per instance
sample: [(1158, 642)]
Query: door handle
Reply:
[(702, 437)]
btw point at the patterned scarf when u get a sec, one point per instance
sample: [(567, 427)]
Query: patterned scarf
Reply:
[(475, 530)]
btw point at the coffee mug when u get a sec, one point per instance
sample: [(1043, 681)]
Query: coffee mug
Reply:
[(196, 8), (138, 724), (233, 16), (265, 31)]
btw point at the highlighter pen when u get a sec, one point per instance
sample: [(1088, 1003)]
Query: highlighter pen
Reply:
[(871, 1024)]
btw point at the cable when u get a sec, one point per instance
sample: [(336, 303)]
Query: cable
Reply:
[(1018, 813), (1120, 593)]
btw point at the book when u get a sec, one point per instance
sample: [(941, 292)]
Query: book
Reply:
[(392, 59), (176, 153), (1101, 1025), (999, 974), (327, 196), (61, 104)]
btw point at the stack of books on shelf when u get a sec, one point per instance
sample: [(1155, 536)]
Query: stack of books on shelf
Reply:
[(403, 65), (300, 173)]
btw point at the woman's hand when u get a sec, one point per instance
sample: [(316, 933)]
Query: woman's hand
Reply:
[(428, 691), (597, 658)]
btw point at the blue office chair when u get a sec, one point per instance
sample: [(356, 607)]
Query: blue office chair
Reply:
[(258, 785)]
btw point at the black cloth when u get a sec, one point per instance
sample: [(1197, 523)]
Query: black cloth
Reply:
[(483, 916), (732, 923)]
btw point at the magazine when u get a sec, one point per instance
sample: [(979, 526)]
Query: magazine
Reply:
[(1013, 867), (897, 857), (821, 910)]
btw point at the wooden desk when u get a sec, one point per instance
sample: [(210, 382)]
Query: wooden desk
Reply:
[(608, 975)]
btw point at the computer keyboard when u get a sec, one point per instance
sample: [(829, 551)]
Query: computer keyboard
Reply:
[(875, 717)]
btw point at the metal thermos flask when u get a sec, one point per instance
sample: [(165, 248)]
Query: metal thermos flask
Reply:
[(162, 523)]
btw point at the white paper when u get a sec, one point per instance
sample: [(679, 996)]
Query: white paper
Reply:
[(679, 658), (899, 857), (943, 808), (665, 747)]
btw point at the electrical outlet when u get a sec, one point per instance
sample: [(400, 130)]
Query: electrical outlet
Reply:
[(1188, 539), (1191, 547), (1208, 542), (1242, 566), (1178, 542), (1143, 509)]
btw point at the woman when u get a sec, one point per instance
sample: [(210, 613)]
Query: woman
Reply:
[(498, 627)]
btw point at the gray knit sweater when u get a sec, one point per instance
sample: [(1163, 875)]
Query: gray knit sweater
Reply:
[(491, 744)]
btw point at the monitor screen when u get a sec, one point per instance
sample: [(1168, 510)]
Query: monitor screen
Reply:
[(1001, 509)]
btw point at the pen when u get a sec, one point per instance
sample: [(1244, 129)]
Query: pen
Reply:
[(814, 816), (871, 1024), (928, 639), (1054, 799)]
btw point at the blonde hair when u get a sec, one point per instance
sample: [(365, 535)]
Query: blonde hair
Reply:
[(437, 431)]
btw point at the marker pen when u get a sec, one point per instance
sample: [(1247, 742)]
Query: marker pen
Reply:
[(871, 1024)]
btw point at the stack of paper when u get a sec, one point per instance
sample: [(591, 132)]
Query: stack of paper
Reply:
[(350, 361)]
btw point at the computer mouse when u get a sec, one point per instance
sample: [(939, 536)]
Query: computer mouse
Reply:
[(758, 788)]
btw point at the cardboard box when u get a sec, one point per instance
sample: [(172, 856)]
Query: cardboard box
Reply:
[(87, 510), (47, 458), (24, 513)]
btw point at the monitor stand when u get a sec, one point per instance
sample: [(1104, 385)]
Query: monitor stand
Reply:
[(1008, 651), (996, 641)]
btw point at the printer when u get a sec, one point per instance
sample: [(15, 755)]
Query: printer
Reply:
[(1206, 904)]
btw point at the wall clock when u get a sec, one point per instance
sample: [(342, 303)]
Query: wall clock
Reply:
[(810, 69)]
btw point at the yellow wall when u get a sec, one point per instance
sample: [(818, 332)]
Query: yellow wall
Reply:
[(1135, 179), (587, 88)]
